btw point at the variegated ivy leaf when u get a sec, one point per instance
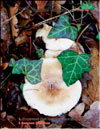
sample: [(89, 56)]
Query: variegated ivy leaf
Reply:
[(63, 29), (30, 68), (73, 65)]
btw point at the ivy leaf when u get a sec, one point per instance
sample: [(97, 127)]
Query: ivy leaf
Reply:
[(30, 68), (22, 86), (87, 5), (16, 70), (39, 52), (63, 29), (73, 65), (98, 36), (13, 64)]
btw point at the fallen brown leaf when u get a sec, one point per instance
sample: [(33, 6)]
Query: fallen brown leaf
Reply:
[(57, 5), (13, 21), (95, 11), (3, 115), (77, 111), (41, 6), (23, 37), (3, 66), (5, 27), (91, 117), (91, 93)]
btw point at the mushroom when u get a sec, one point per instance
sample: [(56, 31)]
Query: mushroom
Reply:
[(51, 96), (54, 44)]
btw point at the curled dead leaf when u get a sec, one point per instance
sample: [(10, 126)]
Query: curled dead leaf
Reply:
[(3, 66), (77, 111), (91, 93), (3, 115), (91, 117)]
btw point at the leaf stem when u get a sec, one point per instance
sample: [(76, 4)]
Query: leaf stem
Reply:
[(5, 79)]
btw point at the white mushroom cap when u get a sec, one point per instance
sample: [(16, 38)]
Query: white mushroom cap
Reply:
[(51, 96), (54, 44)]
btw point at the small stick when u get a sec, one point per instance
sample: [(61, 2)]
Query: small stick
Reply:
[(40, 23), (81, 12), (67, 10), (34, 10), (30, 46), (5, 79), (73, 8), (81, 35), (14, 16)]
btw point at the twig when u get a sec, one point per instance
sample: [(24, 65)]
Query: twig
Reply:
[(81, 12), (33, 10), (81, 35), (67, 10), (30, 46), (11, 123), (82, 17), (34, 46), (40, 23), (73, 8), (14, 16)]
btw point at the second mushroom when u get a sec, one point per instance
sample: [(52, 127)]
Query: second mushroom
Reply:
[(51, 96)]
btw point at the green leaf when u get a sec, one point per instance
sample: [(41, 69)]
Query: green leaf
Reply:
[(15, 70), (79, 27), (30, 68), (22, 86), (87, 5), (39, 52), (13, 64), (98, 36), (63, 29), (73, 65)]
